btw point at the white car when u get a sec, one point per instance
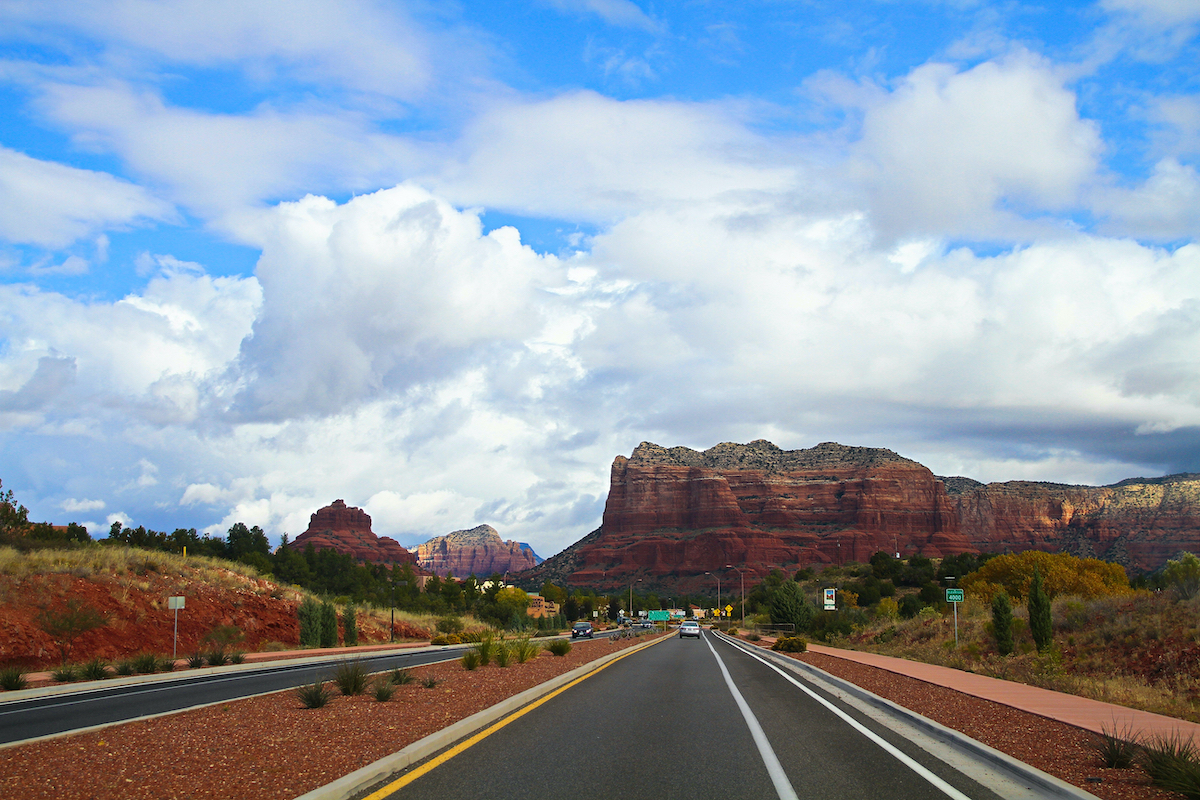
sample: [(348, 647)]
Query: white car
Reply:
[(689, 628)]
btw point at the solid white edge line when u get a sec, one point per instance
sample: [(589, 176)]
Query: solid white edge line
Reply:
[(916, 767), (778, 776)]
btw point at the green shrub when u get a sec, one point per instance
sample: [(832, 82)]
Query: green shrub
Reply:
[(217, 657), (402, 677), (146, 663), (486, 649), (1117, 750), (237, 657), (195, 660), (1170, 761), (429, 682), (166, 664), (95, 670), (125, 667), (791, 644), (753, 637), (65, 673), (13, 678), (503, 654), (524, 648), (450, 625), (559, 647), (470, 659), (445, 639), (350, 626), (313, 695), (383, 691), (351, 677)]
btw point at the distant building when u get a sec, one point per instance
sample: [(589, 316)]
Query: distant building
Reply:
[(698, 612), (541, 607)]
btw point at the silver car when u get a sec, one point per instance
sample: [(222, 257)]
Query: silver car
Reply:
[(689, 628)]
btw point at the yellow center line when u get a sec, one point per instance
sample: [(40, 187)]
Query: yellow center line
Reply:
[(437, 761)]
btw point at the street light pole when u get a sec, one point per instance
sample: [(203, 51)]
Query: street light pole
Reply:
[(718, 577), (743, 577), (639, 580)]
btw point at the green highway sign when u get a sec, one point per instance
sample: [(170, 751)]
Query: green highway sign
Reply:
[(659, 616), (954, 595)]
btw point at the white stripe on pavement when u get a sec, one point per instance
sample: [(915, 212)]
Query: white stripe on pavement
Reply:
[(778, 777), (946, 788)]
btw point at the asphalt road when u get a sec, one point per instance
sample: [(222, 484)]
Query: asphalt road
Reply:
[(689, 718), (59, 713)]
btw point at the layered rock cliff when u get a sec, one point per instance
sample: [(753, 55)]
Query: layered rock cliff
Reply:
[(674, 514), (347, 529), (479, 551)]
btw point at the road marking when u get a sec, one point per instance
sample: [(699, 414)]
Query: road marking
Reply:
[(437, 761), (916, 767), (783, 787)]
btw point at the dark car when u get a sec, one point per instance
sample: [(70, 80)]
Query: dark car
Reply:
[(582, 629)]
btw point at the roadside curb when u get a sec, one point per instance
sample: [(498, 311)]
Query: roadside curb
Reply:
[(348, 786), (1052, 787)]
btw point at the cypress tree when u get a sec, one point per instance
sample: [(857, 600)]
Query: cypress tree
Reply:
[(350, 626), (309, 614), (1002, 622), (1039, 613), (329, 625)]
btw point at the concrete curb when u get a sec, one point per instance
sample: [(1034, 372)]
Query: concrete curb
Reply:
[(356, 782), (1046, 783)]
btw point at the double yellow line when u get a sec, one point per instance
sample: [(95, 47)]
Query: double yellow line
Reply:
[(437, 761)]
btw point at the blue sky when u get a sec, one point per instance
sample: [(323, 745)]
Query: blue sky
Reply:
[(447, 261)]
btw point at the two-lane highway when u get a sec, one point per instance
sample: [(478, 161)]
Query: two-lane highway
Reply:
[(687, 718)]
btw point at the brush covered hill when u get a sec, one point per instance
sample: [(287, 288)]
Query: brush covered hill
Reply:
[(128, 588)]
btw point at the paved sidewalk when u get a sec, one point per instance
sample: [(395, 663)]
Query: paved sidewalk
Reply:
[(1092, 715)]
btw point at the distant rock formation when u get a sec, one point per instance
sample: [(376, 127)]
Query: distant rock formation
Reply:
[(479, 550), (347, 529), (675, 514)]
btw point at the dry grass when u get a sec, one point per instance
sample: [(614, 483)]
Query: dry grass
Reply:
[(1140, 651)]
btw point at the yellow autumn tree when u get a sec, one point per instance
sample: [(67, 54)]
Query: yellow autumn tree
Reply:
[(1061, 573)]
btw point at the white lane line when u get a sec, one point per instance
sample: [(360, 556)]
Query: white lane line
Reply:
[(946, 788), (778, 777)]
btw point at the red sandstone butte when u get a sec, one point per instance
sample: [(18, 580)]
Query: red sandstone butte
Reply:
[(347, 529), (479, 551)]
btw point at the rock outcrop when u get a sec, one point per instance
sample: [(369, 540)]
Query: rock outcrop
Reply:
[(479, 551), (675, 514), (1138, 523), (347, 529)]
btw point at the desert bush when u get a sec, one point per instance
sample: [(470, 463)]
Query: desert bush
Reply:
[(888, 608), (237, 657), (470, 659), (449, 625), (1171, 762), (95, 670), (559, 647), (1002, 623), (224, 635), (524, 648), (146, 663), (383, 691), (429, 682), (350, 626), (216, 657), (351, 677), (1116, 749), (445, 639), (65, 673), (67, 624), (486, 648), (313, 695), (1183, 576), (753, 637), (12, 679), (1062, 573), (402, 677), (125, 667), (503, 654), (791, 644), (166, 664), (195, 660)]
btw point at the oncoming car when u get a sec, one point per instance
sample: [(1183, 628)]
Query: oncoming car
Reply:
[(689, 627), (582, 629)]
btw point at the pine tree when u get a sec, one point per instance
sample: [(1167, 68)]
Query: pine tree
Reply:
[(350, 626), (1039, 613), (329, 625), (1002, 623), (309, 614), (789, 605)]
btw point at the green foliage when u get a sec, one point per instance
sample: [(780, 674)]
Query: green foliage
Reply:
[(195, 660), (329, 624), (788, 605), (445, 639), (95, 670), (146, 663), (309, 614), (216, 656), (486, 648), (12, 679), (1002, 623), (791, 644), (237, 657), (1183, 575), (313, 695), (65, 673), (470, 659), (351, 677), (1173, 763), (559, 647), (1116, 749), (67, 624), (125, 667), (166, 664), (383, 691), (1061, 573), (1040, 625), (503, 654), (429, 682), (402, 677), (350, 626), (524, 648), (450, 625), (224, 635)]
